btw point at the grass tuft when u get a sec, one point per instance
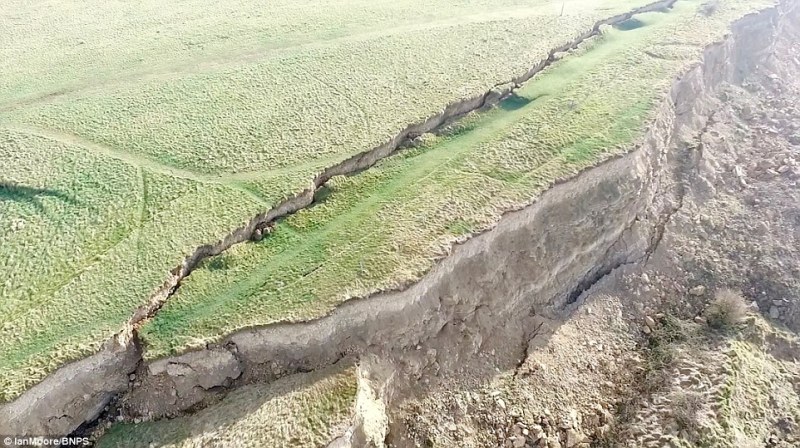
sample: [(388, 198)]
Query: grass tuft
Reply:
[(727, 310)]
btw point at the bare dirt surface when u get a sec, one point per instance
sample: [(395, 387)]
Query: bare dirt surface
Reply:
[(645, 360), (586, 319), (36, 413), (530, 335)]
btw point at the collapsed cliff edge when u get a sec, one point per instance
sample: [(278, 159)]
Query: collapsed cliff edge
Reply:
[(494, 292)]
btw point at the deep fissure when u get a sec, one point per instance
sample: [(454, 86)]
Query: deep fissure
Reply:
[(241, 353), (264, 220)]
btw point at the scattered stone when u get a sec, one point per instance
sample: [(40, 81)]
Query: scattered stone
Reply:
[(520, 441), (650, 322), (774, 312), (739, 172), (574, 437), (574, 418), (700, 320), (591, 421), (698, 290), (647, 330)]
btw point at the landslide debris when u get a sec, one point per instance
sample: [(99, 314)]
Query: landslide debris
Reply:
[(695, 345)]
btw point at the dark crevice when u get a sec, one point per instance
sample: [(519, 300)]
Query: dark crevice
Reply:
[(303, 199), (259, 225)]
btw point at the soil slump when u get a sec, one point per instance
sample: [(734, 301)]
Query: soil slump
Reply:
[(493, 294), (498, 290)]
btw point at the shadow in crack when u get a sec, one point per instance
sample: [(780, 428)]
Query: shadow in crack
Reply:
[(514, 102), (630, 25), (290, 409)]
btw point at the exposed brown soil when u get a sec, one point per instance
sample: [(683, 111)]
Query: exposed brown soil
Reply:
[(637, 363), (523, 335), (63, 402)]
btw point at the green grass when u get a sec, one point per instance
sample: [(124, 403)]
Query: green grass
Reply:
[(140, 147), (129, 141), (250, 113), (87, 237), (386, 226), (759, 389), (751, 390)]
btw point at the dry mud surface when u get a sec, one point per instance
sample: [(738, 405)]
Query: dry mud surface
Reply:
[(540, 332)]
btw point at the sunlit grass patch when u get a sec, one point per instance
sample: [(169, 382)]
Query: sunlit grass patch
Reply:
[(387, 226)]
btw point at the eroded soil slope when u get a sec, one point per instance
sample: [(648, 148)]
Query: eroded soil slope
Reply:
[(644, 360), (682, 332)]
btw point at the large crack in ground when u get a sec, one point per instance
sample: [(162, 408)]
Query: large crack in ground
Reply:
[(454, 310), (685, 167), (659, 179), (687, 161), (258, 225)]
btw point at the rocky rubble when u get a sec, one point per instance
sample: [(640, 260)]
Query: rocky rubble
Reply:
[(612, 375)]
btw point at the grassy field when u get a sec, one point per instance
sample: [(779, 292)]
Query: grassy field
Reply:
[(276, 107), (386, 226), (85, 238), (303, 411), (130, 141)]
